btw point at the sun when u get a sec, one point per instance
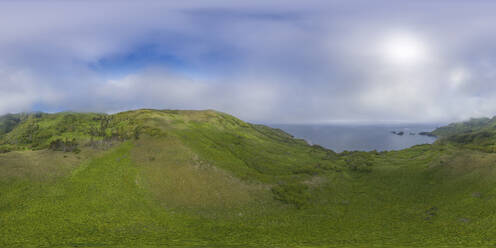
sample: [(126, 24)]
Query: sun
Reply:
[(403, 49)]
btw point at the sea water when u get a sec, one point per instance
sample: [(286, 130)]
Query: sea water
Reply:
[(361, 137)]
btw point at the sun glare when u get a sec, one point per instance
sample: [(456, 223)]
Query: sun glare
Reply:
[(403, 49)]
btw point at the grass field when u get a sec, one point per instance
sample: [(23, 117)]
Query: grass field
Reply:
[(151, 178)]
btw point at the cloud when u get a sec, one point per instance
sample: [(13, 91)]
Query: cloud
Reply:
[(20, 90), (294, 62), (159, 87)]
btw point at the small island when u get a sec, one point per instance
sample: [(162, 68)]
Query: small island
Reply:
[(400, 133)]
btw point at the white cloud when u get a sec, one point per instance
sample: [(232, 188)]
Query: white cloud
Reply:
[(159, 88), (20, 90), (458, 77), (262, 61)]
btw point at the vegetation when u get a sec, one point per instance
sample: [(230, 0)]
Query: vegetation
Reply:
[(157, 178), (473, 125), (476, 134)]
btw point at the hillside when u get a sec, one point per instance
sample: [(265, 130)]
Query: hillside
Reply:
[(159, 178), (472, 125), (476, 134)]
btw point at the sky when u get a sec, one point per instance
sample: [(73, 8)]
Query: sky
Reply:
[(334, 61)]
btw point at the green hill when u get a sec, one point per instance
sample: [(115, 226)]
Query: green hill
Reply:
[(472, 125), (167, 178), (476, 134)]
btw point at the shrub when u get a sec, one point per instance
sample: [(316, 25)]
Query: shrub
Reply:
[(296, 194), (66, 146), (359, 162), (5, 149)]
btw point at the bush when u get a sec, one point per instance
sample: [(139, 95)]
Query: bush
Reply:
[(359, 162), (296, 194), (5, 149), (66, 146)]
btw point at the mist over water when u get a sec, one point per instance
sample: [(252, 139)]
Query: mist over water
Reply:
[(361, 137)]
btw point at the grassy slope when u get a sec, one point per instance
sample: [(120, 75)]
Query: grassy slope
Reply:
[(473, 125), (209, 179), (476, 134)]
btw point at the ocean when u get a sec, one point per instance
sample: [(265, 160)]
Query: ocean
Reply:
[(361, 137)]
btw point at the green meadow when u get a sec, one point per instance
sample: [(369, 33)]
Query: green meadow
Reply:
[(166, 178)]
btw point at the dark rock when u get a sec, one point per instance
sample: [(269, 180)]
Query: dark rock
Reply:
[(428, 134)]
